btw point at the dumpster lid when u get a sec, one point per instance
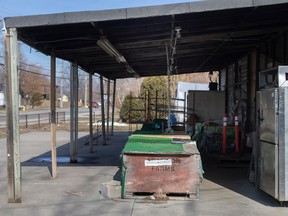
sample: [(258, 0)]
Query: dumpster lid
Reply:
[(164, 146)]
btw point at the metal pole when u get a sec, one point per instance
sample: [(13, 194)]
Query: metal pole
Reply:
[(145, 106), (184, 111), (102, 110), (73, 112), (224, 135), (61, 85), (237, 144), (90, 114), (85, 93), (108, 105), (149, 107), (226, 89), (113, 107), (12, 119), (130, 110), (156, 105), (53, 116), (169, 129)]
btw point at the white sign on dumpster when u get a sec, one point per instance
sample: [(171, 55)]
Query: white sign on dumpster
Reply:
[(166, 162)]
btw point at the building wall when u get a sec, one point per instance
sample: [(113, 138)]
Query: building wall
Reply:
[(240, 79), (2, 99), (209, 110), (182, 92)]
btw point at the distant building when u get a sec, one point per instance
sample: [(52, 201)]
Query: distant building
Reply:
[(2, 95), (2, 99), (181, 91), (64, 98)]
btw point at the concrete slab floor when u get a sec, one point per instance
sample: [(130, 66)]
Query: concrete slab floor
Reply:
[(75, 191)]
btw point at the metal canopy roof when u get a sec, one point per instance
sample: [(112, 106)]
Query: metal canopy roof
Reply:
[(214, 33)]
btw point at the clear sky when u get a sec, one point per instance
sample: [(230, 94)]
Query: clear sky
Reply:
[(10, 8)]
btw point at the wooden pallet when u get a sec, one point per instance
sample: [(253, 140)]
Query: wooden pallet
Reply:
[(162, 197)]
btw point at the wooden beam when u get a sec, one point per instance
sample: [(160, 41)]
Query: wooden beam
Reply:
[(285, 47), (12, 117), (226, 89), (73, 112), (90, 113), (108, 106), (102, 110), (251, 91), (53, 116), (113, 107)]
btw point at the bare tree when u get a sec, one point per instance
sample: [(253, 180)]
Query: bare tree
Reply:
[(33, 82), (63, 78), (125, 86), (2, 75)]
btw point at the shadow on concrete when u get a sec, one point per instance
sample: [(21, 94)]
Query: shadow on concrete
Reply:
[(231, 177), (102, 155), (235, 177)]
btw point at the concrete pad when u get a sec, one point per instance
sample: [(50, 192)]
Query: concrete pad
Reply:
[(76, 190)]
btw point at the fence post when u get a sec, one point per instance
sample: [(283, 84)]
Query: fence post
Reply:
[(26, 118), (57, 113), (64, 117), (97, 134), (39, 120)]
